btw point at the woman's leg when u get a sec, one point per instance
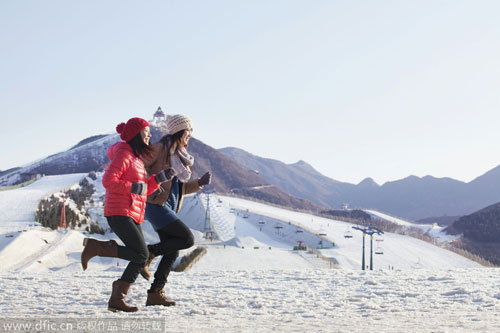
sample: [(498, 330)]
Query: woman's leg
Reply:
[(173, 237), (135, 249)]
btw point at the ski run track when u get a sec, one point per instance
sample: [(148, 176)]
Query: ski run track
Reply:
[(250, 280)]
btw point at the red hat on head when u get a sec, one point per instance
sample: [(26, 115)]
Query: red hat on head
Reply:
[(133, 127)]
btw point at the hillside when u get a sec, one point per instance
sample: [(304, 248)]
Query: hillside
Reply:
[(481, 226), (252, 274), (480, 232), (299, 179), (234, 220), (296, 185), (413, 197), (442, 220), (228, 176)]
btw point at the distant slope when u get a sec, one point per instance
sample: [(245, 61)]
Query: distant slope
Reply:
[(440, 220), (79, 159), (299, 179), (39, 250), (90, 154), (88, 140), (480, 232), (298, 185), (412, 197), (399, 251), (481, 226)]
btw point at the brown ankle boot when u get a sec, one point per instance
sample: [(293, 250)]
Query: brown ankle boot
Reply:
[(158, 298), (145, 270), (117, 300), (94, 247)]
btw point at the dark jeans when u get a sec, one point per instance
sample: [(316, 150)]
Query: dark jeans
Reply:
[(174, 236), (135, 249)]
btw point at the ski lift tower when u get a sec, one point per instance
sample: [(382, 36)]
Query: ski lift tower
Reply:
[(207, 228), (368, 231)]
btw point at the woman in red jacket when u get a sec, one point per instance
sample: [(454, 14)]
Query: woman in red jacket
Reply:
[(127, 187)]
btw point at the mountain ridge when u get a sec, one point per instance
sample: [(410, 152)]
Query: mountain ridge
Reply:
[(411, 197), (239, 171)]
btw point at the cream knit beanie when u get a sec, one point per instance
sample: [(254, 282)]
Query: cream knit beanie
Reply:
[(178, 122)]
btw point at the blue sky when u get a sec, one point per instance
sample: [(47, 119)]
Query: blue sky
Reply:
[(381, 89)]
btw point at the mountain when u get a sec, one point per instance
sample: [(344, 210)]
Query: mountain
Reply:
[(440, 220), (299, 179), (295, 185), (412, 197), (228, 176), (482, 226), (480, 233), (368, 183), (485, 189), (83, 157)]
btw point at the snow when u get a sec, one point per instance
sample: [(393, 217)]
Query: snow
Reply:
[(249, 280), (388, 217), (18, 206), (399, 251), (272, 300), (433, 230)]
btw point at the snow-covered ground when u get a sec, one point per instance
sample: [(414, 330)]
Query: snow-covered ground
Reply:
[(398, 251), (250, 280), (18, 206), (458, 300), (433, 230)]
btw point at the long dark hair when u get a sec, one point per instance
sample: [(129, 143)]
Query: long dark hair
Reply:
[(171, 140), (139, 148)]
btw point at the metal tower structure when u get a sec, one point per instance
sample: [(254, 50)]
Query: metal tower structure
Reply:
[(368, 231), (207, 229)]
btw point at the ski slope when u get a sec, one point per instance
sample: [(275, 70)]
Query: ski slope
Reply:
[(249, 280), (18, 206), (249, 235), (399, 251)]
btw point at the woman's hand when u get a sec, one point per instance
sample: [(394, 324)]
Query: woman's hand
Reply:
[(165, 175), (139, 188), (205, 179)]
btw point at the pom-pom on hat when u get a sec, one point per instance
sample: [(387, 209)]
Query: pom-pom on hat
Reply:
[(178, 122), (133, 127)]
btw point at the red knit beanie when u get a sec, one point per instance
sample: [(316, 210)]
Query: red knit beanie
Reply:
[(133, 127)]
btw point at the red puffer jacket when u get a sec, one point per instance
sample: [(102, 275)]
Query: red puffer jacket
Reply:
[(124, 170)]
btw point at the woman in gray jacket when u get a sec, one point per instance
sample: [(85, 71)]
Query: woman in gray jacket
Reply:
[(163, 205)]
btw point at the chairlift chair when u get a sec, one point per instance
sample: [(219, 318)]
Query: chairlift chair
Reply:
[(379, 250), (348, 234)]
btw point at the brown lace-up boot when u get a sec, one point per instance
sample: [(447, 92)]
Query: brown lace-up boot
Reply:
[(145, 270), (158, 298), (117, 300), (94, 247)]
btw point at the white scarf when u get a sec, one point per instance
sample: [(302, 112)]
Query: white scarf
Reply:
[(182, 163)]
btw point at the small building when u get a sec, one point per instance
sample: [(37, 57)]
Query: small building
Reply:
[(159, 116)]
